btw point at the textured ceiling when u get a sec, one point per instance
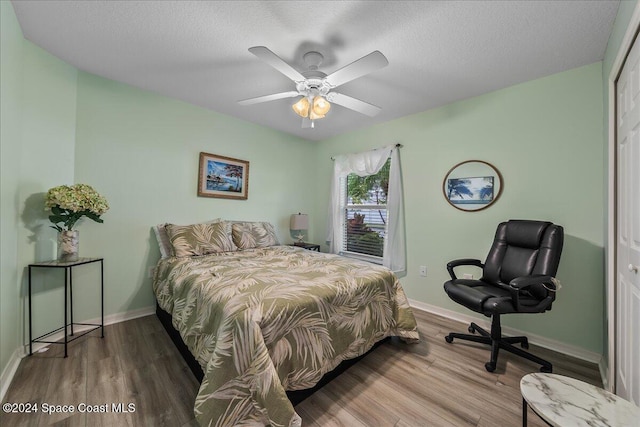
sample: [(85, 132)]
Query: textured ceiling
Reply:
[(438, 51)]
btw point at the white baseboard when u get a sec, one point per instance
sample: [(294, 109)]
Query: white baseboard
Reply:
[(604, 373), (22, 351), (560, 347), (108, 320), (9, 371), (127, 315)]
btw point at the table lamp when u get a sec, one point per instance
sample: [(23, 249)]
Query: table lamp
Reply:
[(299, 223)]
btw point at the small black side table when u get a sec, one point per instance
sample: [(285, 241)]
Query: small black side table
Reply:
[(308, 246), (68, 308)]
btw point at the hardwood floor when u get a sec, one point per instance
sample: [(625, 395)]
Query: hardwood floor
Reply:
[(431, 383)]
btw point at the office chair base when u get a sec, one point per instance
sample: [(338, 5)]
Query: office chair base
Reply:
[(497, 342)]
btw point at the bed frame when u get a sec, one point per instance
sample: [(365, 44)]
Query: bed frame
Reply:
[(295, 397)]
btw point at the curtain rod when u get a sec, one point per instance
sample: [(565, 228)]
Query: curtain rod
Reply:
[(396, 146)]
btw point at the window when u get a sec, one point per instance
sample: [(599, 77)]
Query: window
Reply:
[(364, 224), (366, 213)]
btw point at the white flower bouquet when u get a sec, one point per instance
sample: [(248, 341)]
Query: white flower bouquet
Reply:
[(70, 203)]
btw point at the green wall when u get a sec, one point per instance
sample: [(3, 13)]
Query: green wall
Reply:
[(545, 137), (10, 130), (47, 160), (38, 137), (140, 150)]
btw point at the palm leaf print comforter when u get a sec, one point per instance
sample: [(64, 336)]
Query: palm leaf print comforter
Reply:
[(266, 320)]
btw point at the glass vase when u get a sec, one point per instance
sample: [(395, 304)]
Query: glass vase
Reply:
[(68, 243)]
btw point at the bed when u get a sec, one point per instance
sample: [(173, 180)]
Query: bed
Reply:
[(264, 320)]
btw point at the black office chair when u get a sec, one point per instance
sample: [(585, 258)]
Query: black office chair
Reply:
[(517, 277)]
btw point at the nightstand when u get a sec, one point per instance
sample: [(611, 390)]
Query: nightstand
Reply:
[(308, 246), (68, 305)]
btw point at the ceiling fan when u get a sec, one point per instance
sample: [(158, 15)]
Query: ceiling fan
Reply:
[(316, 88)]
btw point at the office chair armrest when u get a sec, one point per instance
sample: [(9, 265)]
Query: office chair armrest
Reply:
[(522, 283), (463, 261)]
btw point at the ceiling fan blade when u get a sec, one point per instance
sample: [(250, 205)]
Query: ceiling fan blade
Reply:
[(365, 65), (353, 104), (265, 98), (276, 62)]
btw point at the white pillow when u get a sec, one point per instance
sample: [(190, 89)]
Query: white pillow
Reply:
[(164, 244)]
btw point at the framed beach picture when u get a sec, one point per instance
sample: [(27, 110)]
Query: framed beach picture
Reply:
[(476, 190), (472, 185), (223, 177)]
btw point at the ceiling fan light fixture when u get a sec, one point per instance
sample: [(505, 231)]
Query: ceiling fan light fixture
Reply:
[(314, 116), (316, 87), (301, 107), (321, 106), (314, 108)]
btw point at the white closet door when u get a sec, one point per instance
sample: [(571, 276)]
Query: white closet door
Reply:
[(628, 229)]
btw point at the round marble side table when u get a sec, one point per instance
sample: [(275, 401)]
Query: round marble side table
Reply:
[(567, 402)]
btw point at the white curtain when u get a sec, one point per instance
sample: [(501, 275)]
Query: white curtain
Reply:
[(363, 164)]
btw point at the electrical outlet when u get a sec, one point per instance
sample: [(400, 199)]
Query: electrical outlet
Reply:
[(423, 270), (467, 276)]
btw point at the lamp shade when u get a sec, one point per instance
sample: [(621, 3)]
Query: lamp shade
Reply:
[(314, 108), (314, 116), (299, 221), (321, 106), (301, 107)]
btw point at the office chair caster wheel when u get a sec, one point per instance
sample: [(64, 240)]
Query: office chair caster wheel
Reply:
[(490, 366), (448, 339), (471, 329), (546, 369)]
